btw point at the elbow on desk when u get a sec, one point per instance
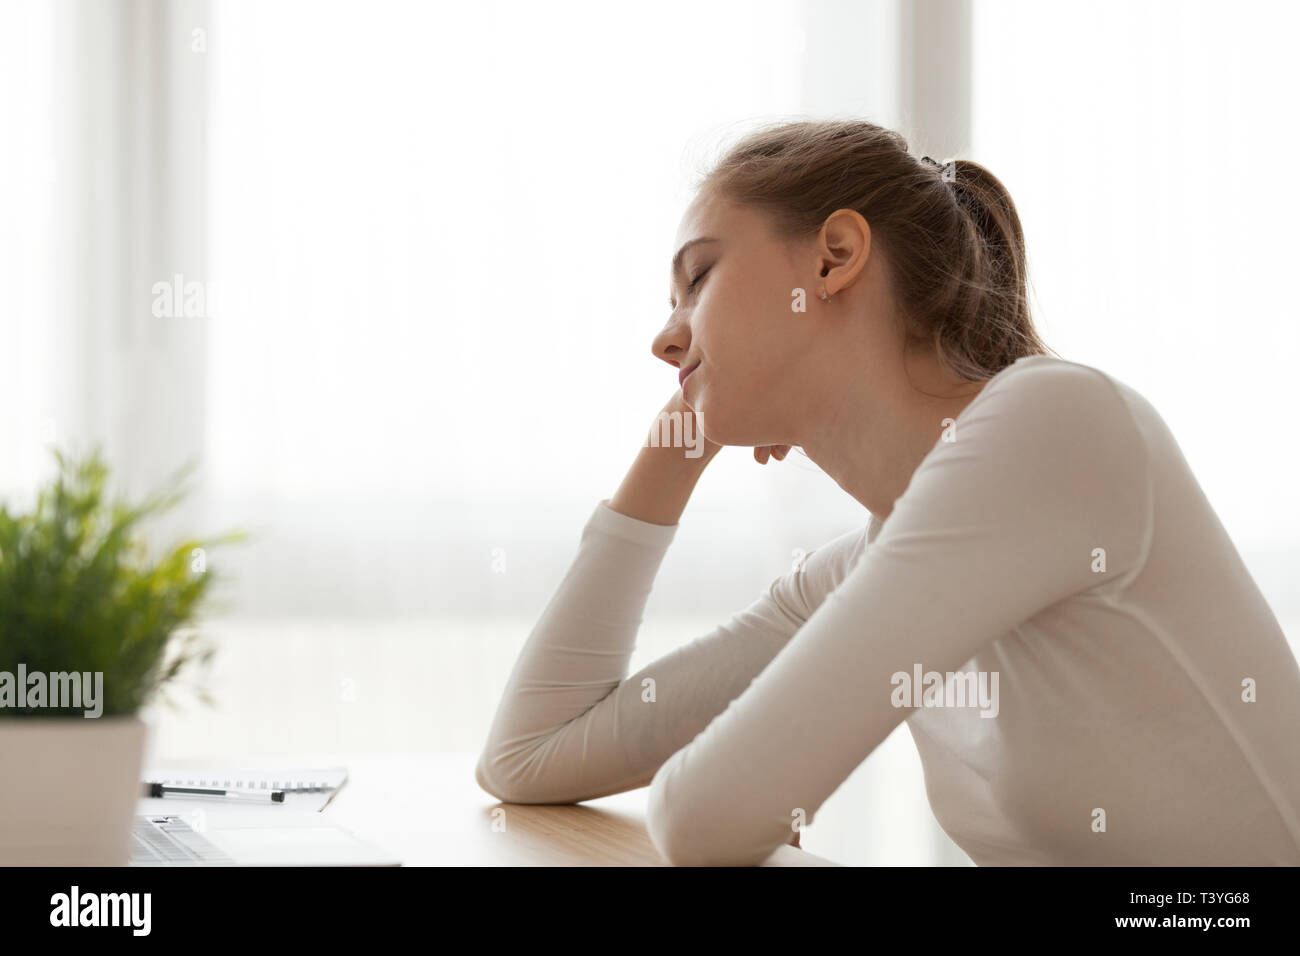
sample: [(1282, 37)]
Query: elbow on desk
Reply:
[(679, 847), (671, 844), (676, 832), (490, 785), (481, 777), (666, 823), (513, 791)]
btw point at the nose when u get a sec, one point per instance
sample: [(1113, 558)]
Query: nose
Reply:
[(672, 343)]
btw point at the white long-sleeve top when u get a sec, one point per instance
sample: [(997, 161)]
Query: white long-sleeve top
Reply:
[(1143, 708)]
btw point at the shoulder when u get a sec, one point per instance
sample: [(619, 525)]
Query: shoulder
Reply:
[(1056, 384), (1045, 464), (1043, 406), (1045, 436)]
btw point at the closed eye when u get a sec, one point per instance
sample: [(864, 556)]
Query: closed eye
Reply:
[(696, 281), (690, 289)]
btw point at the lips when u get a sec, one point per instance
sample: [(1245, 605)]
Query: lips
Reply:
[(681, 376)]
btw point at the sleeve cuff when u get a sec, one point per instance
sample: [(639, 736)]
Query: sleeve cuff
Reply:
[(606, 520)]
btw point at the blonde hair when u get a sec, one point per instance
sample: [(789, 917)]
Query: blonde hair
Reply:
[(954, 247)]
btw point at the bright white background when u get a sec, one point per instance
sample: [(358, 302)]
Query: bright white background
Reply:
[(440, 236)]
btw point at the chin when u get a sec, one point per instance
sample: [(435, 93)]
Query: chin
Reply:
[(703, 426), (721, 430)]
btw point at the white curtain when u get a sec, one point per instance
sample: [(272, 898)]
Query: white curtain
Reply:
[(104, 179), (27, 272), (441, 237)]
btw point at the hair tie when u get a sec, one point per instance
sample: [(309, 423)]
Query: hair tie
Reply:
[(947, 171)]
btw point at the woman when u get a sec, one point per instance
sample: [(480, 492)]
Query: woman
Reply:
[(1042, 591)]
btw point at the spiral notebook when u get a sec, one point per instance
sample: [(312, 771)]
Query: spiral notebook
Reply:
[(313, 788)]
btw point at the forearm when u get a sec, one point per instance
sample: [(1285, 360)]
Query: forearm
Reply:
[(658, 485), (577, 654), (573, 724), (567, 695), (662, 478)]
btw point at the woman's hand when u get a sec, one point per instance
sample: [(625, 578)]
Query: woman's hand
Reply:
[(763, 452), (659, 484), (661, 479)]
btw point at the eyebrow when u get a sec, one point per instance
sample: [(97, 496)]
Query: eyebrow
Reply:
[(677, 262)]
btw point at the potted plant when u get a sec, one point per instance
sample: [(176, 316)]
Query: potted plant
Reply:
[(91, 629)]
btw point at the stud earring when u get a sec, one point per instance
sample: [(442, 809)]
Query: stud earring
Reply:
[(824, 296)]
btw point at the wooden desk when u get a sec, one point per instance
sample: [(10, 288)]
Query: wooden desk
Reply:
[(428, 810)]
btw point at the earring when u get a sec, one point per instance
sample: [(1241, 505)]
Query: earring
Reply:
[(824, 296)]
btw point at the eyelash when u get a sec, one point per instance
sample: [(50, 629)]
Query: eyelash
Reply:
[(690, 289), (696, 280)]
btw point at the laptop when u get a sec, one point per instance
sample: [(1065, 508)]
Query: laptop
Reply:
[(249, 837)]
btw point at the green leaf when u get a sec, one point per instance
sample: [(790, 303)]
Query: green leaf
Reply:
[(80, 592)]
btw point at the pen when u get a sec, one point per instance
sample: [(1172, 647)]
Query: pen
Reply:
[(248, 796)]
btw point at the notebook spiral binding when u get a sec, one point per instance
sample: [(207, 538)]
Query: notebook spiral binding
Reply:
[(288, 786)]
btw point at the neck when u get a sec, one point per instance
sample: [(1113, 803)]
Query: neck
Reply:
[(872, 443)]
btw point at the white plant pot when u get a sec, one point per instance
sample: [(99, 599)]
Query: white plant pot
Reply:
[(68, 789)]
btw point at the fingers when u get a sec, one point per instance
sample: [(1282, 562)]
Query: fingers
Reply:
[(763, 452)]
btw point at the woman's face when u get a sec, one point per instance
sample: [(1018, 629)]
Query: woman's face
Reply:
[(732, 322)]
